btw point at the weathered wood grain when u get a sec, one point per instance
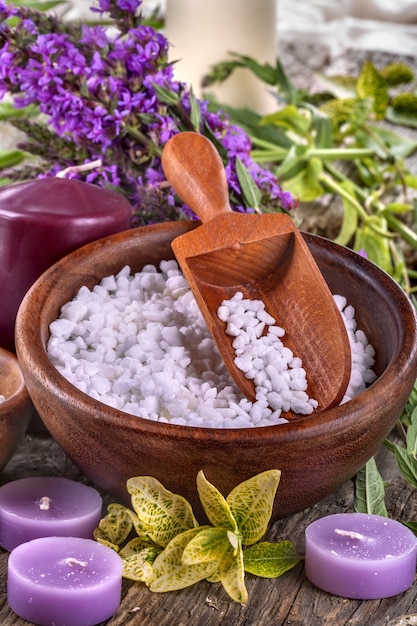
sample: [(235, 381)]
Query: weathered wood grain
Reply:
[(288, 600)]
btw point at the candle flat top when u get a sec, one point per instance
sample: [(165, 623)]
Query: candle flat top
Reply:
[(48, 498), (361, 537), (65, 562)]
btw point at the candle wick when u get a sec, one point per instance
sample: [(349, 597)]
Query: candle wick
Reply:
[(71, 561), (349, 533), (44, 503)]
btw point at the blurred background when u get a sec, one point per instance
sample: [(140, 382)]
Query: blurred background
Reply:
[(389, 25)]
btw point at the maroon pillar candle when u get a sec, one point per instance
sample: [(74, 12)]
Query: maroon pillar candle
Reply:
[(41, 221)]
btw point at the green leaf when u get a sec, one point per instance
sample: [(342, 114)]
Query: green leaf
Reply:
[(289, 117), (165, 95), (39, 5), (294, 162), (169, 571), (163, 513), (406, 462), (8, 111), (116, 526), (412, 526), (350, 216), (265, 72), (340, 87), (215, 505), (321, 126), (208, 545), (285, 84), (270, 560), (369, 490), (10, 158), (251, 504), (375, 244), (371, 84), (250, 190), (232, 575), (401, 118), (138, 566), (399, 145), (411, 438), (410, 180), (397, 207), (306, 184), (195, 111)]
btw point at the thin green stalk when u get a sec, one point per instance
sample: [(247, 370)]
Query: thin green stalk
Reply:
[(393, 222), (278, 153)]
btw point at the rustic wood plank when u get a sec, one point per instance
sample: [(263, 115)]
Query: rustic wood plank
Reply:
[(290, 599)]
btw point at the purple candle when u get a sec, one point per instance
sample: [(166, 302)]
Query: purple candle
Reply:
[(64, 581), (45, 506), (360, 556), (41, 221)]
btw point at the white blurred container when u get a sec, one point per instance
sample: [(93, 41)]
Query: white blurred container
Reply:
[(203, 32)]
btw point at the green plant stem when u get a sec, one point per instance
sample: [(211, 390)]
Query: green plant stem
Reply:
[(272, 152), (393, 222)]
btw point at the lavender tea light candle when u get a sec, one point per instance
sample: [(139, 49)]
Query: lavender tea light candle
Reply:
[(64, 581), (360, 556), (45, 506)]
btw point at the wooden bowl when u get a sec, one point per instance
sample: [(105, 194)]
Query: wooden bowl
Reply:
[(316, 454), (17, 408)]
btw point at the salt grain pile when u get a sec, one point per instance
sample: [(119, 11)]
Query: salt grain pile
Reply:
[(139, 343)]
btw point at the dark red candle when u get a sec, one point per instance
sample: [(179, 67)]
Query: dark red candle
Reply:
[(41, 221)]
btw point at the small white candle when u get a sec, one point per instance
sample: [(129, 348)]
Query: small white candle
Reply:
[(203, 32)]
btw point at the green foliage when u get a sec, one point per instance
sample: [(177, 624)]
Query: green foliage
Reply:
[(370, 490), (307, 137), (171, 551), (407, 456)]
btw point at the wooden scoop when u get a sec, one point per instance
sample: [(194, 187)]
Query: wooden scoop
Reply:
[(266, 258)]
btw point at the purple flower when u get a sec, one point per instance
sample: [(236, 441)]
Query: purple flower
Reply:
[(101, 93)]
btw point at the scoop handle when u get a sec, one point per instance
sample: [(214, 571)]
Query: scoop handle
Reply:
[(195, 171)]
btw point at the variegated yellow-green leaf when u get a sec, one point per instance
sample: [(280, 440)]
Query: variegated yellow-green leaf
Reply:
[(170, 573), (140, 528), (137, 544), (234, 539), (138, 566), (251, 504), (164, 513), (115, 527), (215, 505), (270, 560), (108, 544), (232, 575), (215, 578), (208, 545)]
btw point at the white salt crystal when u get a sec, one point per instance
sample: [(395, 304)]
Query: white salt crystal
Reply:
[(140, 344)]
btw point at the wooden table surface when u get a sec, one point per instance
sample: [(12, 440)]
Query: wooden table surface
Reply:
[(290, 599)]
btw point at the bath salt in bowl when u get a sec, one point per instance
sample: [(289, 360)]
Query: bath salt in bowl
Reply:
[(316, 453), (139, 343)]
